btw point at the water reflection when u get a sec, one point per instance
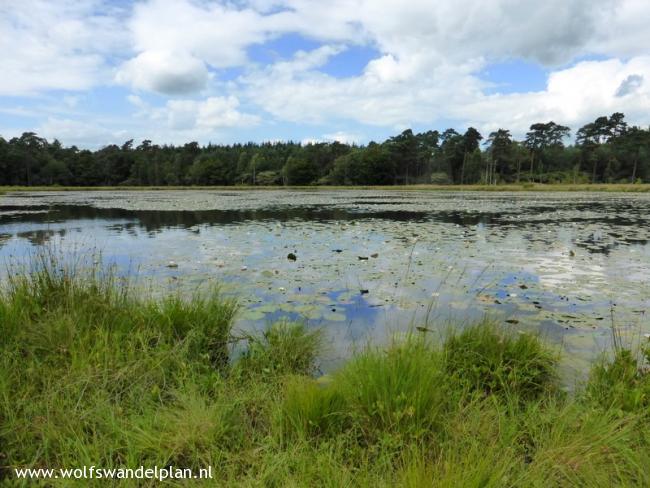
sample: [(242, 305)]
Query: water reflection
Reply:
[(551, 262), (155, 220)]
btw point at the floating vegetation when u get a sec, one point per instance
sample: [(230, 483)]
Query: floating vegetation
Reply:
[(361, 262)]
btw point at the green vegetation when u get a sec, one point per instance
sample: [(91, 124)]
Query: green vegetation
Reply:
[(92, 373), (518, 187), (605, 151), (481, 360)]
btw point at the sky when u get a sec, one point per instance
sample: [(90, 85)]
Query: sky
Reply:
[(95, 72)]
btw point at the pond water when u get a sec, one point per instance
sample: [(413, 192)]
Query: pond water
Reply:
[(369, 263)]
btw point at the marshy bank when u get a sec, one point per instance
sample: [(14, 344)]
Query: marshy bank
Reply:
[(92, 373)]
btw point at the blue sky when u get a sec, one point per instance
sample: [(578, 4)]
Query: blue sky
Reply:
[(95, 72)]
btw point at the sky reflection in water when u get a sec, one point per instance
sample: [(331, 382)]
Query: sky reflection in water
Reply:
[(560, 263)]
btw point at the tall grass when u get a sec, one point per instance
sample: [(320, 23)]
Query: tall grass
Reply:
[(85, 363), (488, 360), (283, 348), (91, 373)]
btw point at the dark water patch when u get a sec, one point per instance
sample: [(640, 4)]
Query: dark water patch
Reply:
[(153, 220)]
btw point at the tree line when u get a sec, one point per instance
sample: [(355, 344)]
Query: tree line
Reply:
[(606, 150)]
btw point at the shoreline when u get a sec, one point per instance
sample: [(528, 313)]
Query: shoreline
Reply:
[(532, 188)]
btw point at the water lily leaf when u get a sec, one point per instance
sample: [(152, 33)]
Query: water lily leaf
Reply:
[(335, 316)]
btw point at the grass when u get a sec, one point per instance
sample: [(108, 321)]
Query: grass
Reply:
[(534, 187), (283, 348), (93, 374), (483, 360)]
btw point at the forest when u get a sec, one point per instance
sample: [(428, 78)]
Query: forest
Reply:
[(607, 150)]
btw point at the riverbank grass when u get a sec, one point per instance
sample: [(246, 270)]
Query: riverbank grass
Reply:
[(94, 374)]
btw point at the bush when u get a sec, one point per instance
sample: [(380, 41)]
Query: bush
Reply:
[(268, 178)]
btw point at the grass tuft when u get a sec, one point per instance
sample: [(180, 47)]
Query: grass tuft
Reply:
[(622, 384), (93, 374), (488, 360), (283, 348)]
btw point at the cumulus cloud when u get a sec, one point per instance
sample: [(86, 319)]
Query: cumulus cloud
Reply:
[(427, 68), (384, 96), (389, 92), (623, 31), (551, 32), (343, 137), (165, 72), (199, 116), (215, 33), (211, 113), (81, 133), (428, 62), (56, 45), (573, 96)]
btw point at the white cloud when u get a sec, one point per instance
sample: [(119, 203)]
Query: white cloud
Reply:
[(573, 96), (80, 133), (427, 69), (201, 117), (136, 101), (383, 95), (389, 92), (623, 32), (431, 56), (340, 136), (343, 137), (178, 121), (551, 32), (165, 72), (209, 31), (56, 45)]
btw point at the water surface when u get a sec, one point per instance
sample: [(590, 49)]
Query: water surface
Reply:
[(369, 263)]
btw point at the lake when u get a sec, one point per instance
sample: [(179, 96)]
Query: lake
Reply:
[(368, 263)]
